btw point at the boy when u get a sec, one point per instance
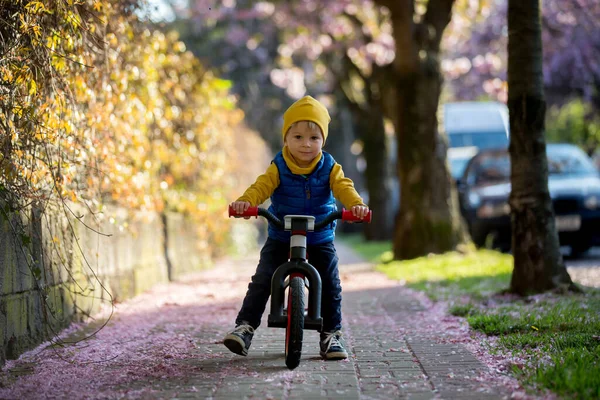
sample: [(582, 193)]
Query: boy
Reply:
[(302, 179)]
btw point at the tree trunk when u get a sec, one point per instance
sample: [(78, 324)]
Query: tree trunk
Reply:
[(429, 219), (372, 132), (538, 263), (165, 227), (368, 118)]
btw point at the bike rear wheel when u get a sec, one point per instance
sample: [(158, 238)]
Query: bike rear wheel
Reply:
[(295, 324)]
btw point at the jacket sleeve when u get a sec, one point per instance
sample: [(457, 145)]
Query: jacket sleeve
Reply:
[(263, 188), (343, 188)]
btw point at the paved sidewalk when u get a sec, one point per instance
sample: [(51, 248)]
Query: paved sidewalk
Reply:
[(398, 349), (389, 357)]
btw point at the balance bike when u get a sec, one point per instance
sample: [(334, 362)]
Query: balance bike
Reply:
[(296, 275)]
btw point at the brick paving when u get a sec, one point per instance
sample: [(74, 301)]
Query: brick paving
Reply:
[(387, 359), (393, 353)]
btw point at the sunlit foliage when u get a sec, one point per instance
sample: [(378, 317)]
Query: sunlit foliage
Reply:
[(97, 108), (576, 123)]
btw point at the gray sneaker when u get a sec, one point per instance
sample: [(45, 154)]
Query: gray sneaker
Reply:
[(331, 346), (239, 339)]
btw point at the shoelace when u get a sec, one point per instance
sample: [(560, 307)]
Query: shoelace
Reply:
[(243, 329), (332, 339)]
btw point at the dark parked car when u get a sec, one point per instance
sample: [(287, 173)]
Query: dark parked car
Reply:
[(472, 126), (458, 158), (574, 185)]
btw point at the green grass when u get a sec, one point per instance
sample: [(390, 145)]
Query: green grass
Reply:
[(370, 251), (479, 273), (557, 335), (461, 310), (577, 371)]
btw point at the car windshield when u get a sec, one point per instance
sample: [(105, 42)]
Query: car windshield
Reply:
[(491, 167), (457, 167), (569, 160), (494, 166), (458, 158), (487, 140)]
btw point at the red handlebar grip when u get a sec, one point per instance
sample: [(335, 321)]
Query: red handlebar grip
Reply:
[(250, 212), (348, 216)]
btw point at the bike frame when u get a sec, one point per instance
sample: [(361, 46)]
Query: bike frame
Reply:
[(298, 265), (299, 225)]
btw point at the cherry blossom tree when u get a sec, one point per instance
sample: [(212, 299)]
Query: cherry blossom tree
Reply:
[(428, 220), (475, 52), (402, 80)]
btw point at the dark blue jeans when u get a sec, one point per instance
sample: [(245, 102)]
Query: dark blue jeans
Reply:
[(274, 253)]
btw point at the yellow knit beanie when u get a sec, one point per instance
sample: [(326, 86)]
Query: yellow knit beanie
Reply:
[(307, 109)]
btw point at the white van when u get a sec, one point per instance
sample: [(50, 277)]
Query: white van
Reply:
[(471, 126)]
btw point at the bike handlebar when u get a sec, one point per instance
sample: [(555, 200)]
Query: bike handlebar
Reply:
[(344, 215)]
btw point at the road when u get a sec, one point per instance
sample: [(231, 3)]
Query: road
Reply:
[(585, 269)]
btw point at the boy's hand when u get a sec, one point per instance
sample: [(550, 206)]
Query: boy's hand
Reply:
[(360, 211), (240, 207)]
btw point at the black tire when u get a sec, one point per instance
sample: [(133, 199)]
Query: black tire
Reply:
[(295, 327)]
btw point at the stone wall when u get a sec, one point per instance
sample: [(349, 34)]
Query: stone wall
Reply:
[(65, 264)]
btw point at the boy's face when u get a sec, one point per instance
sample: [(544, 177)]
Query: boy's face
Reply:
[(304, 144)]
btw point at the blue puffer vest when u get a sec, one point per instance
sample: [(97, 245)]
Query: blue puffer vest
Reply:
[(304, 195)]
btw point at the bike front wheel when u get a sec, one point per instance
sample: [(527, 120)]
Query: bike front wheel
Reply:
[(295, 323)]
